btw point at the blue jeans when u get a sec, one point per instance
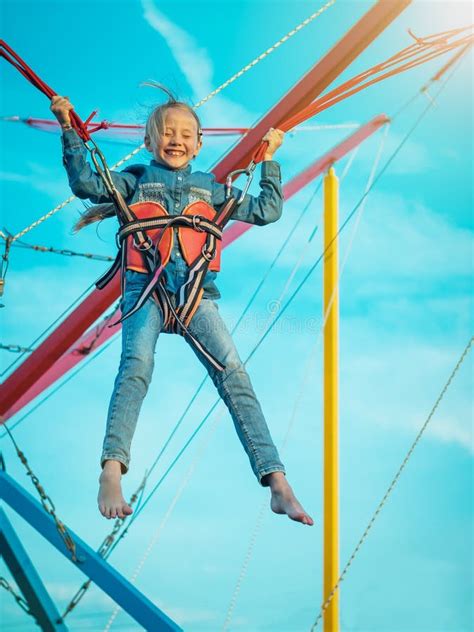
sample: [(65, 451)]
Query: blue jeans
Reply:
[(139, 336)]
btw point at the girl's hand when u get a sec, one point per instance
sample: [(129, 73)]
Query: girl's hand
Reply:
[(274, 138), (60, 107)]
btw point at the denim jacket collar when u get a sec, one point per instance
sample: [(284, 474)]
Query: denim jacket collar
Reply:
[(186, 170)]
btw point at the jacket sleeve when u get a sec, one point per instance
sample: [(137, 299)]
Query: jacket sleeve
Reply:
[(84, 182), (261, 210)]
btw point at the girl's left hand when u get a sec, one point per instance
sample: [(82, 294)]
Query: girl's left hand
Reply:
[(274, 138)]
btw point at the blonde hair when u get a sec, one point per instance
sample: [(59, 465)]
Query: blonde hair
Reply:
[(154, 128), (155, 124)]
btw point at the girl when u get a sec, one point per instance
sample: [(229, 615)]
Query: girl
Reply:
[(173, 135)]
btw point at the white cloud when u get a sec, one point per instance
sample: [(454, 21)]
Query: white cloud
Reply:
[(414, 158), (451, 429), (53, 184), (197, 67), (13, 177), (194, 61), (392, 381)]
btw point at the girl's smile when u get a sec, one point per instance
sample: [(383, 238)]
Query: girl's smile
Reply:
[(179, 141)]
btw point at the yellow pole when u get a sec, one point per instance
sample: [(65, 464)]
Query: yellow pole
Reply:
[(331, 402)]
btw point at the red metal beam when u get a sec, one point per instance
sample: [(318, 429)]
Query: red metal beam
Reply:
[(322, 74), (99, 334), (315, 81)]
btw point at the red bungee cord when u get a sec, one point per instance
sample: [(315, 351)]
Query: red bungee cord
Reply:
[(16, 61), (423, 50)]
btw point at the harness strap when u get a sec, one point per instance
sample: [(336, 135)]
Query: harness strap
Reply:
[(176, 317), (197, 222)]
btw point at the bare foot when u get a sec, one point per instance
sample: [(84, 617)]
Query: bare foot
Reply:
[(110, 499), (284, 501)]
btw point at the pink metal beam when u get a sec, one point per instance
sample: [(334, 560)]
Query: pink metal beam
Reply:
[(99, 334), (323, 73), (317, 168)]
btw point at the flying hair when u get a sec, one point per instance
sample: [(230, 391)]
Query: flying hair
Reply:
[(156, 120), (154, 128)]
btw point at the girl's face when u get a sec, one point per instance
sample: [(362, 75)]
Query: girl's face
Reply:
[(179, 143)]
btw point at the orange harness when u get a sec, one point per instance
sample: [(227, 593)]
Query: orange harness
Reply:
[(191, 239), (145, 241)]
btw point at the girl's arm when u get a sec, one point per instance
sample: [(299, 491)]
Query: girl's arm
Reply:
[(83, 181), (268, 206)]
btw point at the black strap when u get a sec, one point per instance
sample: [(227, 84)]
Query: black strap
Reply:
[(176, 318)]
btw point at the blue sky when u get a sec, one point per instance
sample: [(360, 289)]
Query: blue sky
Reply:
[(406, 316)]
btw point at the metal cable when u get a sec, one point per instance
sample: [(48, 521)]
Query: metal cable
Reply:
[(198, 104), (392, 485), (43, 333), (63, 383), (266, 53), (283, 309), (306, 375)]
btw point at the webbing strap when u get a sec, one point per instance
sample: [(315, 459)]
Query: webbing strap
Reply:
[(190, 221), (176, 318)]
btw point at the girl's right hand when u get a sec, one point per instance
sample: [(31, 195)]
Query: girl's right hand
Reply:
[(60, 107)]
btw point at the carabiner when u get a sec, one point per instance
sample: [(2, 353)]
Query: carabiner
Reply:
[(248, 172)]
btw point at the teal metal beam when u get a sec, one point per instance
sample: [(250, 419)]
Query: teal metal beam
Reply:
[(131, 600), (27, 579)]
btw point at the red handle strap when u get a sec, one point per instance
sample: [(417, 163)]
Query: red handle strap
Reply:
[(15, 60)]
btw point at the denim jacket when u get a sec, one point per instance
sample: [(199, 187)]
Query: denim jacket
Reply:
[(174, 189)]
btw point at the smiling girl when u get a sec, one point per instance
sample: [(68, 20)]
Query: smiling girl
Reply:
[(174, 137)]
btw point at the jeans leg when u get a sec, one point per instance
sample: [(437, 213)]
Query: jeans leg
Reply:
[(139, 335), (234, 386)]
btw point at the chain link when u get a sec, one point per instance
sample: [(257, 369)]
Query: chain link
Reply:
[(46, 501), (18, 598), (4, 262), (15, 348), (392, 485), (63, 251), (103, 550), (201, 102)]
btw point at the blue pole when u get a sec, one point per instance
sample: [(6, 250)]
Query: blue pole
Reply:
[(90, 563), (28, 581)]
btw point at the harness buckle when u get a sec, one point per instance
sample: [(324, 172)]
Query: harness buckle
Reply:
[(196, 221), (145, 246), (209, 256)]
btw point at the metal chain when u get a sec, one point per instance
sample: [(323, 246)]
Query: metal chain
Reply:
[(68, 253), (4, 262), (266, 53), (392, 484), (21, 601), (15, 348), (103, 550), (209, 96), (46, 501)]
